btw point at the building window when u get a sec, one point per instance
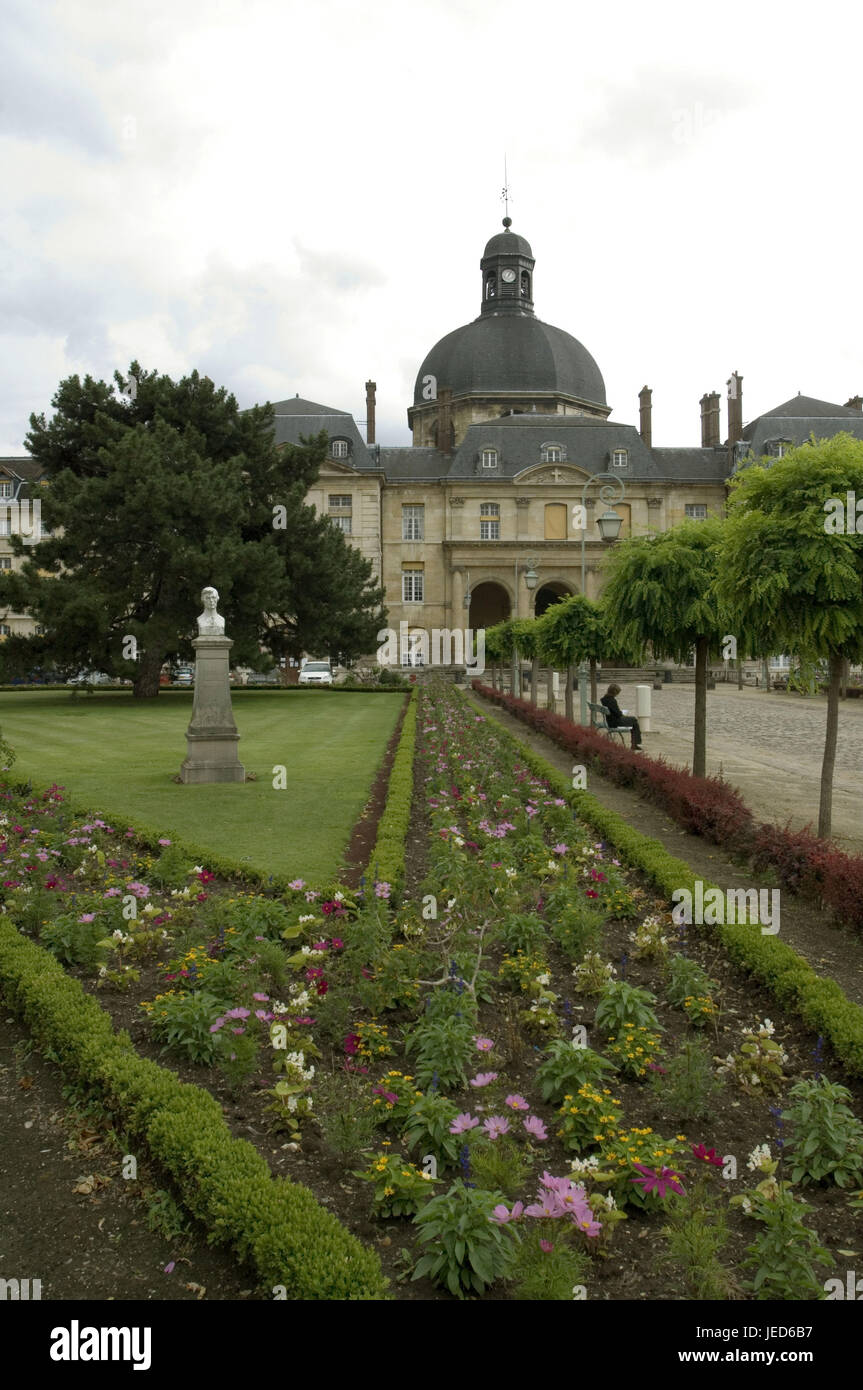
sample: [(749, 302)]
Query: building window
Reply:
[(5, 562), (619, 458), (5, 489), (413, 522), (555, 521), (5, 526), (5, 630), (696, 511), (525, 284), (412, 586), (490, 285), (339, 449), (343, 523), (340, 500), (489, 458), (489, 526), (778, 448), (552, 453)]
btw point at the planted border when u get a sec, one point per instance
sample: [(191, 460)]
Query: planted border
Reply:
[(820, 1003), (276, 1224), (706, 806), (387, 861)]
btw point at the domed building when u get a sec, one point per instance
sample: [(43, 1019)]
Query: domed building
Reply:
[(480, 519)]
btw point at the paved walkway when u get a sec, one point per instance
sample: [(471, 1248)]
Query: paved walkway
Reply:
[(767, 745)]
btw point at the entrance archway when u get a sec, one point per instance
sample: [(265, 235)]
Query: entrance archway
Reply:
[(549, 594), (489, 604)]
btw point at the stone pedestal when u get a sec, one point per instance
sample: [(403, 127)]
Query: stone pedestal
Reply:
[(212, 736)]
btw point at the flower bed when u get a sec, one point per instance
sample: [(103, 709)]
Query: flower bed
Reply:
[(802, 862), (508, 1080)]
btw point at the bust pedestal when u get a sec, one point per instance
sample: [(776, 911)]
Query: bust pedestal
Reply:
[(212, 736)]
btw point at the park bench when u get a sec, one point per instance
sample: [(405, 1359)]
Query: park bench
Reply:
[(599, 720)]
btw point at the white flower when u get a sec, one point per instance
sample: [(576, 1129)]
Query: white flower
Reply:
[(746, 1207), (543, 979), (117, 935), (198, 869), (610, 1202), (149, 910), (760, 1155), (103, 970), (309, 917), (511, 873), (338, 897), (768, 1028), (179, 893), (458, 840)]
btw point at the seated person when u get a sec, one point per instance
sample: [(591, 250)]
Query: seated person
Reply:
[(618, 720)]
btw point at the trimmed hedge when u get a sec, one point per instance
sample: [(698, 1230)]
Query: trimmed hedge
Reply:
[(387, 861), (803, 862), (275, 1224), (820, 1003)]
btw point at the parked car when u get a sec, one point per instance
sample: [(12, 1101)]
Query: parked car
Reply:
[(90, 678), (316, 673), (184, 675), (263, 678)]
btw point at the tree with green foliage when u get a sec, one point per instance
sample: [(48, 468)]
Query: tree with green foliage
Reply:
[(661, 589), (570, 632), (156, 488), (791, 567)]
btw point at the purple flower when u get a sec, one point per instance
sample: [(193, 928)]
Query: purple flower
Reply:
[(382, 890), (483, 1044), (658, 1182), (297, 883), (261, 998), (560, 849), (463, 1122), (535, 1127), (496, 1126), (87, 917), (483, 1078)]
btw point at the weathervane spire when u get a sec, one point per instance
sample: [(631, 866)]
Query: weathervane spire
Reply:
[(505, 197)]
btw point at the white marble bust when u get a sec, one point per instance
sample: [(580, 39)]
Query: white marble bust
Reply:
[(210, 623)]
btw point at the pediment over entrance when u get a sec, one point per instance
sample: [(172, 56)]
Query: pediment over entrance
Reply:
[(555, 475)]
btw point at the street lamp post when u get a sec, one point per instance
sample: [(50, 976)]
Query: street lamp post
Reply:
[(530, 581), (611, 490)]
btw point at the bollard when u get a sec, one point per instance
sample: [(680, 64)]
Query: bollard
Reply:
[(642, 707)]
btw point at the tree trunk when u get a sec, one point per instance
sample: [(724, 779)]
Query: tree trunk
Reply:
[(534, 679), (567, 696), (593, 699), (844, 679), (699, 750), (146, 684), (514, 687), (825, 807), (765, 673), (550, 702)]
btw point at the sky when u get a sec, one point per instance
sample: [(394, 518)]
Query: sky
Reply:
[(294, 198)]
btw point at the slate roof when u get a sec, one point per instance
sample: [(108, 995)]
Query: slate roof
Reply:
[(23, 467), (510, 353), (298, 417), (795, 420), (507, 244)]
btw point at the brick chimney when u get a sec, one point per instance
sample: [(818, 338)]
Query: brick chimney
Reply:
[(371, 388), (856, 403), (709, 419), (645, 406), (735, 411), (444, 419)]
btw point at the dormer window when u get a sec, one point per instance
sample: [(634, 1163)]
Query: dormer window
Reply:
[(339, 449), (489, 458), (552, 453), (5, 489), (620, 458), (778, 448)]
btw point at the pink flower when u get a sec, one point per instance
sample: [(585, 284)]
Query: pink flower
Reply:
[(87, 917), (483, 1044), (501, 1215), (297, 883), (535, 1127), (164, 842), (261, 998), (546, 1247), (560, 849), (382, 890), (495, 1126), (337, 943), (517, 1103), (483, 1078), (660, 1182)]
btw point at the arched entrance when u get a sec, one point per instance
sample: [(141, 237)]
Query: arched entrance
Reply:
[(489, 604), (549, 594)]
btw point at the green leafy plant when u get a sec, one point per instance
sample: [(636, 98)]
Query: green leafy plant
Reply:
[(467, 1251), (548, 1271), (182, 1022), (444, 1048), (427, 1128), (171, 869), (826, 1141), (593, 974), (697, 1233), (524, 932), (621, 1003), (634, 1050), (577, 929), (687, 1085), (757, 1065), (400, 1187), (685, 978), (587, 1117), (499, 1166), (566, 1067), (786, 1254), (74, 941)]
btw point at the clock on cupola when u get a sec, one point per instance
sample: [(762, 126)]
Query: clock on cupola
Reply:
[(507, 274)]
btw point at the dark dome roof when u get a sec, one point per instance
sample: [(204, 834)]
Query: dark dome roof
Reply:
[(512, 353), (508, 244)]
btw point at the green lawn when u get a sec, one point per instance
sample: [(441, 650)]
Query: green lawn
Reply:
[(117, 756)]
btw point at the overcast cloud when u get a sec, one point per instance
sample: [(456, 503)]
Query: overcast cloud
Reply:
[(294, 198)]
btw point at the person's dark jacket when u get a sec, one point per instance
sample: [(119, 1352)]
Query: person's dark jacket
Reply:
[(615, 713)]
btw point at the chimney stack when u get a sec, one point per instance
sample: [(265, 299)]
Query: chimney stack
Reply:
[(856, 403), (444, 420), (709, 420), (645, 407), (371, 388), (735, 412)]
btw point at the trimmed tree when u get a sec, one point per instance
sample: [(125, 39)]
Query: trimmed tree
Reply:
[(570, 632), (791, 567), (661, 590)]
